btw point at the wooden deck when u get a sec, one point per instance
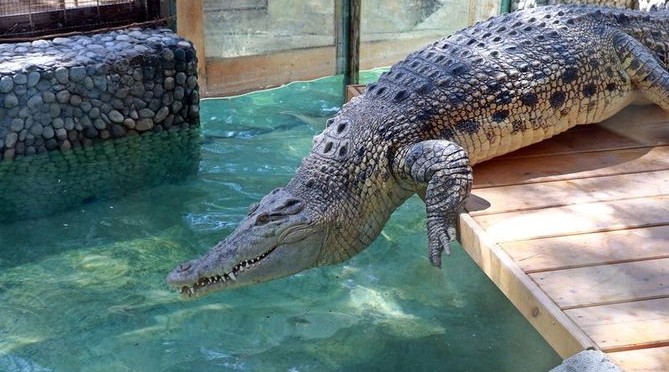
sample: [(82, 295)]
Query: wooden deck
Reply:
[(575, 232)]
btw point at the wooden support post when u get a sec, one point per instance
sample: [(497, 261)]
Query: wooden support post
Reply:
[(348, 43), (190, 25)]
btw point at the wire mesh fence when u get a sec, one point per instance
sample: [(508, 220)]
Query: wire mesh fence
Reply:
[(29, 18)]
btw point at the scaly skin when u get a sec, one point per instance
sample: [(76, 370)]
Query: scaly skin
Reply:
[(487, 90)]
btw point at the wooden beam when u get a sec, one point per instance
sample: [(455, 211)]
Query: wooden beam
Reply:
[(190, 25), (558, 329)]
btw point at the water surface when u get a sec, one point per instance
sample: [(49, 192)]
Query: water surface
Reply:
[(85, 289)]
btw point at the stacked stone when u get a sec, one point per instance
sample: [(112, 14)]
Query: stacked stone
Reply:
[(71, 92)]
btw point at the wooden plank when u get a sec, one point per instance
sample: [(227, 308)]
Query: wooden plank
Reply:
[(606, 284), (243, 74), (585, 190), (354, 91), (577, 219), (511, 171), (558, 329), (190, 25), (625, 326), (647, 360), (573, 251)]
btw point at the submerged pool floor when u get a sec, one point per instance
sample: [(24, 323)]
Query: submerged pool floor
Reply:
[(85, 289)]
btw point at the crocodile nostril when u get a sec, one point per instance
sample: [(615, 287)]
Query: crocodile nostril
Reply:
[(184, 267)]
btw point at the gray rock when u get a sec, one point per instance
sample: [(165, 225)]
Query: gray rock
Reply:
[(6, 84), (33, 78), (191, 82), (179, 93), (11, 100), (169, 83), (17, 125), (116, 117), (75, 100), (48, 133), (88, 83), (35, 102), (77, 73), (180, 78), (144, 125), (94, 113), (58, 123), (36, 129), (146, 113), (117, 131), (48, 97), (54, 110), (129, 123), (168, 55), (63, 96), (62, 75), (100, 124), (40, 44), (61, 134), (161, 114), (65, 146), (20, 79)]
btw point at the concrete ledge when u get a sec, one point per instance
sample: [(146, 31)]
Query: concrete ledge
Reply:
[(588, 361)]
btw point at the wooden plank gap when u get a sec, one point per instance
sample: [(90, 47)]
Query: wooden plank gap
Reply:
[(609, 262), (615, 302)]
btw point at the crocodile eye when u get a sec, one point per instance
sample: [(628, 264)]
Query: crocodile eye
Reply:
[(262, 219)]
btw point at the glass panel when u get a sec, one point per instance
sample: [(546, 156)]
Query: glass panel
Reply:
[(252, 27), (391, 29)]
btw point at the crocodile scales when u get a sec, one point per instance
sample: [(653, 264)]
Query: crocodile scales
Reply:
[(489, 89)]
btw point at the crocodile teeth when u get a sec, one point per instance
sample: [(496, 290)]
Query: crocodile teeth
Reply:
[(232, 276)]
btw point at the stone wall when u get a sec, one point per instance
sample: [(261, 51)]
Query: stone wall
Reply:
[(94, 117), (70, 92)]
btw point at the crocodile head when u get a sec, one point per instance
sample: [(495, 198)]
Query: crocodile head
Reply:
[(280, 236)]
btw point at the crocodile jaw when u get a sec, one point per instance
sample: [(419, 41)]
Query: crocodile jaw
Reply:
[(280, 236)]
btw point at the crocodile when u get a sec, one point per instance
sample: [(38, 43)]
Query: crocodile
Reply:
[(484, 91)]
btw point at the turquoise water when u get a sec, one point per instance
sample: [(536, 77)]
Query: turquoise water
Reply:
[(84, 289)]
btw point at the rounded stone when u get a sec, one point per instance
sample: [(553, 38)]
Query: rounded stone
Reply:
[(35, 102), (191, 81), (75, 100), (36, 129), (94, 113), (117, 131), (62, 75), (6, 84), (48, 132), (63, 96), (146, 113), (144, 125), (116, 116), (10, 140), (77, 73), (100, 124), (51, 144), (9, 154), (11, 100), (33, 78), (169, 83), (54, 110), (130, 123), (161, 114), (168, 55), (65, 146), (88, 83), (20, 79), (58, 123), (48, 97), (180, 78), (179, 93), (61, 134), (17, 125)]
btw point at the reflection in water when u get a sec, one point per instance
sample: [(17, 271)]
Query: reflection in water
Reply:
[(43, 184)]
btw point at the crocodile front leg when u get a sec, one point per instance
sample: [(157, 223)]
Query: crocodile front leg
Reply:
[(646, 72), (441, 168)]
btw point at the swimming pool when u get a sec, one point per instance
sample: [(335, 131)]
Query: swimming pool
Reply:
[(84, 289)]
